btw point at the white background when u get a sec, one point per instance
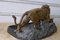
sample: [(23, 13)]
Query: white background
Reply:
[(9, 8)]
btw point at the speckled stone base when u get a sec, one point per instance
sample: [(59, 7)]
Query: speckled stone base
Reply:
[(30, 33)]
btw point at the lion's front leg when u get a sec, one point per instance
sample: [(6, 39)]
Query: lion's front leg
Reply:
[(48, 17)]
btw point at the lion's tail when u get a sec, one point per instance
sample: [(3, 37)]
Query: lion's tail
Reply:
[(14, 17)]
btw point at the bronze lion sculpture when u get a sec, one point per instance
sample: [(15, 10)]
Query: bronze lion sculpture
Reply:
[(35, 15)]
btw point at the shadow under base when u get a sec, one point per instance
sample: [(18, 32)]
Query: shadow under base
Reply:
[(30, 33)]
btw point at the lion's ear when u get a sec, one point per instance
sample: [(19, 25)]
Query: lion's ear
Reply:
[(45, 6)]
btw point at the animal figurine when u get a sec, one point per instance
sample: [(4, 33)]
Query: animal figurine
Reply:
[(35, 15)]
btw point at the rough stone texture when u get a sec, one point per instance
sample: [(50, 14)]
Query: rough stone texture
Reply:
[(30, 33)]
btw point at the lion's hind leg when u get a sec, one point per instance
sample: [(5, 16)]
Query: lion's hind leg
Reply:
[(24, 22)]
